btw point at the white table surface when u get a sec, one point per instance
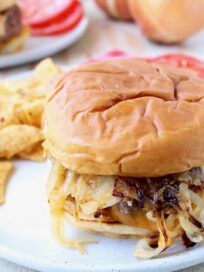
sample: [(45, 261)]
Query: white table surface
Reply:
[(103, 35)]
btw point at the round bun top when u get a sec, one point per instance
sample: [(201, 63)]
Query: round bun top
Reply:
[(126, 117), (5, 4)]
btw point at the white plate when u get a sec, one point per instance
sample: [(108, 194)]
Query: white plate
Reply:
[(37, 48), (26, 238)]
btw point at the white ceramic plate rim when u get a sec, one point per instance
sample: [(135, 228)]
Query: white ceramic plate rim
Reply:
[(167, 264)]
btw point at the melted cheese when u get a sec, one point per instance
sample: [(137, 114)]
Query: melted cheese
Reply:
[(136, 219)]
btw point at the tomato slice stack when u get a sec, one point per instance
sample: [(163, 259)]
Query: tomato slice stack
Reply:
[(175, 60), (51, 17), (180, 60)]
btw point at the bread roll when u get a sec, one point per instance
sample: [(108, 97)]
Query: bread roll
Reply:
[(168, 21), (126, 117), (115, 230)]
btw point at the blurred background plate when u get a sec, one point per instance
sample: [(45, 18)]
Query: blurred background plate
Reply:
[(37, 48)]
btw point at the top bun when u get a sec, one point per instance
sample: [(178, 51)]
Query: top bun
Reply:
[(126, 117), (5, 4)]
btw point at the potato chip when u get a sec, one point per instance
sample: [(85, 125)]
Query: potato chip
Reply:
[(21, 112), (30, 113), (34, 154), (35, 86), (6, 168), (15, 110), (15, 139), (3, 89), (46, 70), (7, 115), (30, 87)]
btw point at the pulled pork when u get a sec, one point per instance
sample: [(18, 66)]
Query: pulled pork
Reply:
[(161, 199), (158, 193)]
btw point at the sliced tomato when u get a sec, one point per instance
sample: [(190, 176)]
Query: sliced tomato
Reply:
[(63, 26), (59, 17), (180, 60), (44, 12), (175, 60)]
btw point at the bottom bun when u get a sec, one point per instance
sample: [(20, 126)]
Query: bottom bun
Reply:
[(16, 43), (116, 230)]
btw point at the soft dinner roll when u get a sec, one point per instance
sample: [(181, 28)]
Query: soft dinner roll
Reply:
[(126, 117)]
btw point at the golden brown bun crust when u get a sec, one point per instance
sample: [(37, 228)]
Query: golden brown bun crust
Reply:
[(115, 230), (5, 4), (126, 117), (16, 43), (168, 21)]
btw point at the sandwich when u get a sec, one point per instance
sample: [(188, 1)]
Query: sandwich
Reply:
[(12, 33), (126, 140)]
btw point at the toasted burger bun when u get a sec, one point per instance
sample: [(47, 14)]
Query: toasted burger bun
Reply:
[(16, 43), (5, 4), (126, 117), (110, 229), (168, 21)]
